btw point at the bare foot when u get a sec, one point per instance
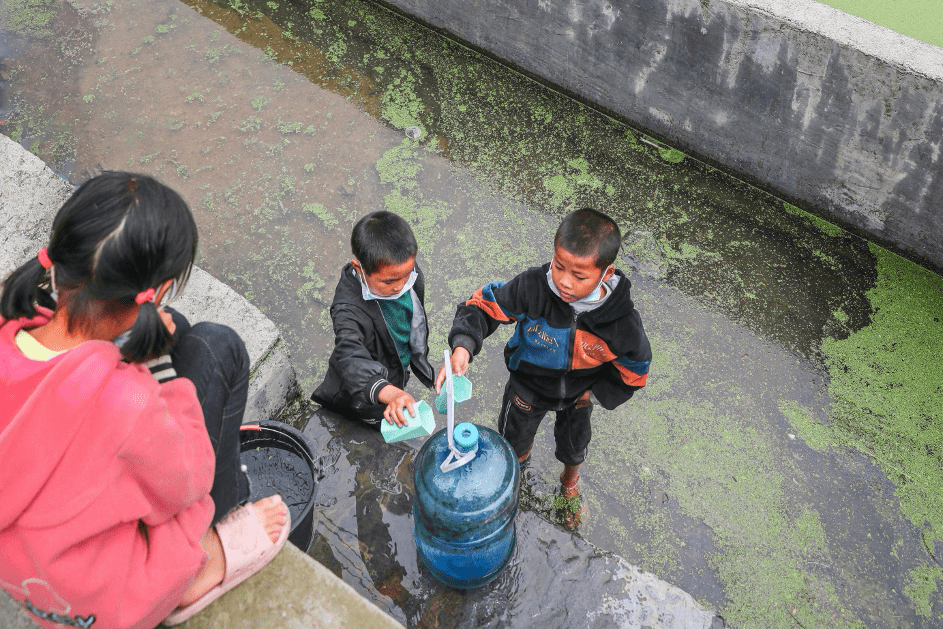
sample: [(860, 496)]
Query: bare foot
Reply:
[(273, 513)]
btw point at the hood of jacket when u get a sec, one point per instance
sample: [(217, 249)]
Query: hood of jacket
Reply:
[(50, 420)]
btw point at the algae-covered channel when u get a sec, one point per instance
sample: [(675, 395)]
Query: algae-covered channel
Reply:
[(785, 462)]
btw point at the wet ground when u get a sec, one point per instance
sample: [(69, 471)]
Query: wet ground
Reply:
[(783, 464)]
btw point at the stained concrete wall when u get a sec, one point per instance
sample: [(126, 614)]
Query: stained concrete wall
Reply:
[(827, 109)]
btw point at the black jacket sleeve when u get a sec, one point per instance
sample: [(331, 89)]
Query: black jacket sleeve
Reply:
[(493, 304), (627, 373), (361, 376)]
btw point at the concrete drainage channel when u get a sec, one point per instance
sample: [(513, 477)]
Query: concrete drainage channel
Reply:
[(745, 46), (295, 591), (800, 98)]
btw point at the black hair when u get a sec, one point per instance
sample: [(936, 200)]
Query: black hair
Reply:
[(117, 235), (586, 232), (382, 238)]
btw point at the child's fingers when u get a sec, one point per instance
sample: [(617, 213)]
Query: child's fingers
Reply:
[(390, 415), (460, 360), (400, 417), (440, 379), (168, 320)]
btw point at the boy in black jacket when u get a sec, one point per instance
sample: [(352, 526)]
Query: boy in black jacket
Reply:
[(380, 327), (577, 332)]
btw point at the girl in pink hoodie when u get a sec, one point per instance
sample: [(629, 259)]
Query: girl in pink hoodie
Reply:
[(121, 493)]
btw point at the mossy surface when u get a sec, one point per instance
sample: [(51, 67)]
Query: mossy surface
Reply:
[(888, 396), (29, 18), (772, 465), (920, 19)]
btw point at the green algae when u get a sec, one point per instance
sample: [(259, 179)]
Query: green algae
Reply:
[(576, 178), (924, 581), (27, 17), (327, 217), (733, 481), (824, 226), (816, 434), (887, 396), (400, 165), (673, 156)]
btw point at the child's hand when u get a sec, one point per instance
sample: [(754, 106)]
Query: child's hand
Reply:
[(460, 359), (168, 320), (396, 399), (583, 400)]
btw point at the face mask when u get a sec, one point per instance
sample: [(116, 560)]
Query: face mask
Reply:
[(593, 295), (171, 293), (590, 298), (52, 284), (368, 295)]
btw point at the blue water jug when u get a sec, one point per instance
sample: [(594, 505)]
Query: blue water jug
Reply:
[(464, 517)]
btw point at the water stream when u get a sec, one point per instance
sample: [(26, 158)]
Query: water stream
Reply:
[(783, 464)]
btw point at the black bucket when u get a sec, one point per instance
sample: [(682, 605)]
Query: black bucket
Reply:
[(279, 459)]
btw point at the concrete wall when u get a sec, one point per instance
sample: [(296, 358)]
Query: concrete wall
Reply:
[(825, 108)]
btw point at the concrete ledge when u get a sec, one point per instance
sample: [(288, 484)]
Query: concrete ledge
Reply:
[(293, 592), (30, 195), (831, 111)]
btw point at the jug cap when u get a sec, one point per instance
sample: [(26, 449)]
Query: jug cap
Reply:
[(466, 436)]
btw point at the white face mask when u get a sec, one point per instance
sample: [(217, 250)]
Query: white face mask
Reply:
[(590, 298), (171, 293), (368, 294)]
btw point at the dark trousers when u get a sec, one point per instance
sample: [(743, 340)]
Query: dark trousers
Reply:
[(520, 419), (215, 359)]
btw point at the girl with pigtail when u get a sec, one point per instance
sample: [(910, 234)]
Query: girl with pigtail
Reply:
[(122, 500)]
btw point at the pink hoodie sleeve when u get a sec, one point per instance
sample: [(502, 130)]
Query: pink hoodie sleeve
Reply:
[(169, 457)]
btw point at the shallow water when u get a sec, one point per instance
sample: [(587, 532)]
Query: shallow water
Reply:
[(277, 471), (736, 474)]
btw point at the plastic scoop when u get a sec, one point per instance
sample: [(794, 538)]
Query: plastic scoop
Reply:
[(462, 388), (422, 425)]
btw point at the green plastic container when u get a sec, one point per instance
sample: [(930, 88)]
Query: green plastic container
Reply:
[(462, 388), (422, 425)]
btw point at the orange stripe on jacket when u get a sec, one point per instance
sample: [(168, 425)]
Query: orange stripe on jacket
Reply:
[(490, 307), (590, 351), (630, 377)]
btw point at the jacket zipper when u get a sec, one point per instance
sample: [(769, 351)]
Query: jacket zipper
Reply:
[(569, 358)]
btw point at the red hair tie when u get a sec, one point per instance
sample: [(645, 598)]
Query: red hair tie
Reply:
[(43, 257), (144, 295)]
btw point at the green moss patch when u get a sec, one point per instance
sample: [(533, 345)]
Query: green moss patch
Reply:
[(888, 396), (27, 17)]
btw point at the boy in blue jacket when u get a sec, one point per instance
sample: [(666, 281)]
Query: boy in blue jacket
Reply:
[(577, 332)]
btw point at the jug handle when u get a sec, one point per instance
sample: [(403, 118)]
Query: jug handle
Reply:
[(456, 457)]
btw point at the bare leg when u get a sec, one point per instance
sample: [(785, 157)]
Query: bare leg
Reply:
[(526, 455), (271, 511), (574, 510), (570, 475)]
